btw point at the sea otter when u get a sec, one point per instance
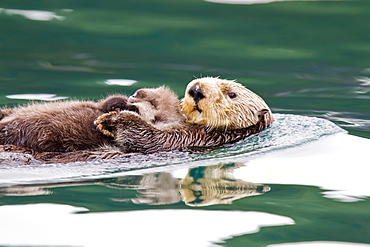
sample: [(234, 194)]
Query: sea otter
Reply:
[(67, 126), (158, 106), (217, 111), (58, 126)]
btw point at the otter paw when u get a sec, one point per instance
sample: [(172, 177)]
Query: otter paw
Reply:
[(110, 122), (105, 123)]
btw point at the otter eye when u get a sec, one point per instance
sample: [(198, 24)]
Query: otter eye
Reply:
[(232, 95)]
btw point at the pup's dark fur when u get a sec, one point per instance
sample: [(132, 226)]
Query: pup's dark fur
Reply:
[(58, 126), (49, 129)]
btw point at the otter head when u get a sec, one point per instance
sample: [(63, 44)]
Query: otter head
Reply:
[(116, 103), (159, 106), (223, 104)]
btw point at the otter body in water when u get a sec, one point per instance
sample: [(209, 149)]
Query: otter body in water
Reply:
[(58, 126), (217, 112), (214, 112), (67, 126)]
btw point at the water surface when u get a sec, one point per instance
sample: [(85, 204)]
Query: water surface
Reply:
[(305, 58)]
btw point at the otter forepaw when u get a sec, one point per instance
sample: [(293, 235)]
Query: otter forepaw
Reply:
[(106, 122), (110, 122)]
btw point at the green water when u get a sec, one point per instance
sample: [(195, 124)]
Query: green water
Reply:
[(306, 58)]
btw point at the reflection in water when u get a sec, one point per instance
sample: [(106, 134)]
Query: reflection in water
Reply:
[(202, 186), (320, 244), (45, 97), (35, 15), (120, 82), (153, 189), (249, 1), (365, 81), (244, 1), (208, 185), (25, 191)]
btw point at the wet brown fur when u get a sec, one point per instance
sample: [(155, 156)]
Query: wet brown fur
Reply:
[(156, 125), (213, 118), (159, 106), (132, 134), (54, 131), (57, 126)]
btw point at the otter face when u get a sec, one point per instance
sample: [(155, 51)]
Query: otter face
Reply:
[(225, 104), (159, 106)]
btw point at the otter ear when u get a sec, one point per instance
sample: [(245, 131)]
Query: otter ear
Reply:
[(262, 113)]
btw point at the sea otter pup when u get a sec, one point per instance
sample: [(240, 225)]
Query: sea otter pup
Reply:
[(217, 111), (67, 126), (58, 126), (159, 106)]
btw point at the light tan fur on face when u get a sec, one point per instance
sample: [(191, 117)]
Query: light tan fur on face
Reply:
[(219, 108)]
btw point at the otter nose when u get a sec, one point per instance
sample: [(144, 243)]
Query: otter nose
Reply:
[(196, 92)]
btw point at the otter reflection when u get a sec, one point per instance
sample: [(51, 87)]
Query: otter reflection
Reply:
[(202, 186), (209, 185), (153, 189)]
